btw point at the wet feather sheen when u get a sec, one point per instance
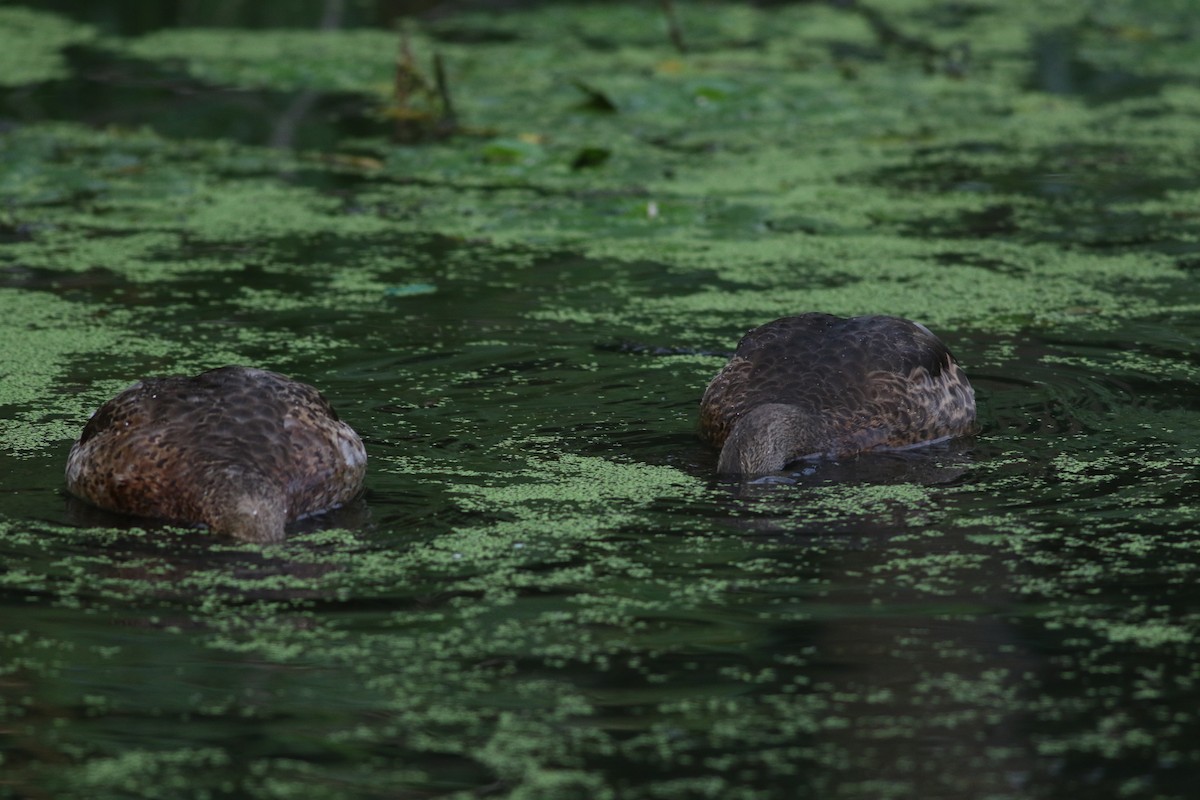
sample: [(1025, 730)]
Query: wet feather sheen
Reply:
[(241, 450), (819, 385)]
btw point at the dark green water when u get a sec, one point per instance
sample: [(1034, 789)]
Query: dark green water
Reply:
[(545, 593)]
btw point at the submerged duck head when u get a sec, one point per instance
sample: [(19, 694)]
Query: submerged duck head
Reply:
[(817, 385), (249, 507), (767, 438), (243, 451)]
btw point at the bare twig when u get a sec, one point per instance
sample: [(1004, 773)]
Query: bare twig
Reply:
[(673, 29), (448, 120), (421, 109), (951, 60)]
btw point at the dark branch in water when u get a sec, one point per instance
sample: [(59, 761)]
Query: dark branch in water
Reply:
[(408, 77), (891, 36), (449, 120), (952, 61), (421, 110), (673, 29)]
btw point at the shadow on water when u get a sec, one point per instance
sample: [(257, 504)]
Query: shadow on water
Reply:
[(354, 516), (108, 90), (1059, 69)]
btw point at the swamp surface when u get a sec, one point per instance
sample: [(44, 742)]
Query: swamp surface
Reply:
[(517, 300)]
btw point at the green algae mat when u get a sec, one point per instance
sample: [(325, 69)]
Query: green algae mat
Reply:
[(511, 246)]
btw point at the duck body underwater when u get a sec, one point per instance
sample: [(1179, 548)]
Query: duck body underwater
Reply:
[(241, 450), (817, 385)]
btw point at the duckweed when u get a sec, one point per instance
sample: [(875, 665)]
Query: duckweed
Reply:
[(545, 591)]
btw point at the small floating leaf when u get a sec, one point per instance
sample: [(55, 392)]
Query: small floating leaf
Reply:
[(596, 99), (709, 94), (589, 157), (511, 151), (410, 289)]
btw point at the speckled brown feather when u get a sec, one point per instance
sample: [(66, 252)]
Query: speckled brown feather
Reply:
[(194, 449), (863, 382)]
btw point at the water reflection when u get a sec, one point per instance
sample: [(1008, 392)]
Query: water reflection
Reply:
[(1059, 68)]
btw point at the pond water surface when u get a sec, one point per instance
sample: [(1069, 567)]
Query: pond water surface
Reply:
[(546, 592)]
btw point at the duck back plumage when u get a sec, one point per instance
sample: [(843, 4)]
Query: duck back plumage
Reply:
[(863, 383), (187, 448)]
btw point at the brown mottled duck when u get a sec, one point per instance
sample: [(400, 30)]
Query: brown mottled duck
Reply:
[(817, 385), (243, 451)]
